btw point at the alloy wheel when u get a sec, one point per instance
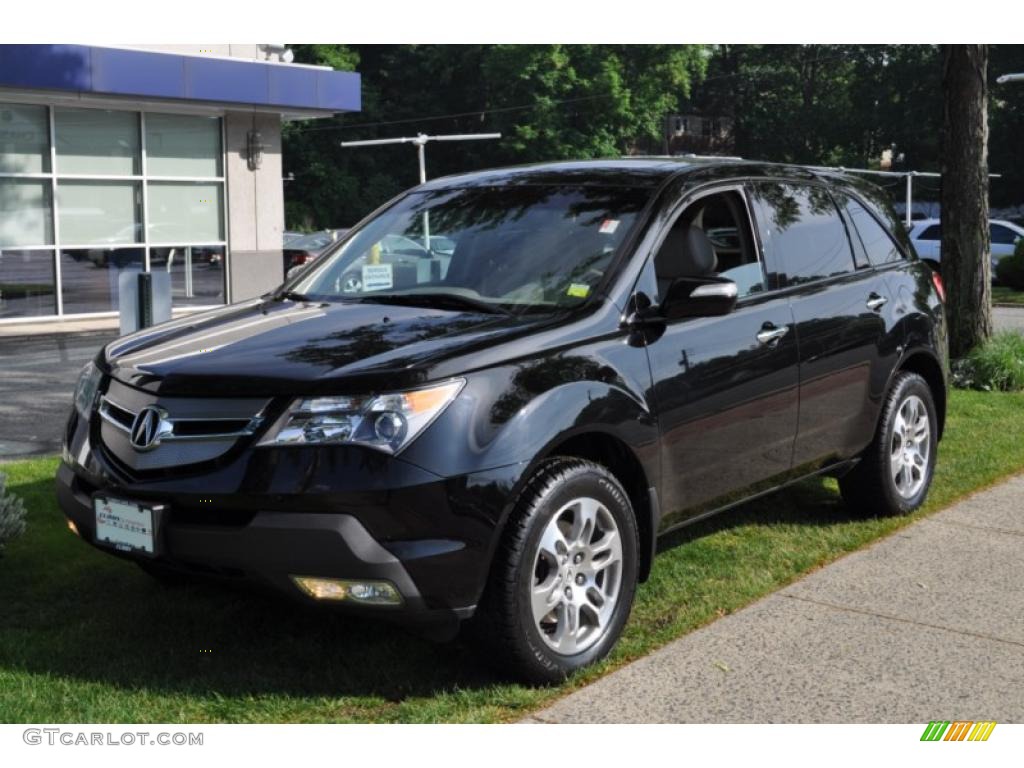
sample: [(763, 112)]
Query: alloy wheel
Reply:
[(910, 447), (577, 576)]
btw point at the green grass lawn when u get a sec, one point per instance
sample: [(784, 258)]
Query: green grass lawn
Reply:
[(1002, 294), (87, 637)]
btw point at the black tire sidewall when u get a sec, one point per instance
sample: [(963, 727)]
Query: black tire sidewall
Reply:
[(911, 385), (587, 481)]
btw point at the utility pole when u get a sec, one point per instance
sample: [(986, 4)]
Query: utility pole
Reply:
[(420, 140)]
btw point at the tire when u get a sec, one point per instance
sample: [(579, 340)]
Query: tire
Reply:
[(546, 549), (877, 485)]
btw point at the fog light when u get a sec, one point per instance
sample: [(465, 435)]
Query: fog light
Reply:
[(363, 592), (73, 528)]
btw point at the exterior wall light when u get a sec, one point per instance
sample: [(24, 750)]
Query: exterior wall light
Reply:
[(254, 147)]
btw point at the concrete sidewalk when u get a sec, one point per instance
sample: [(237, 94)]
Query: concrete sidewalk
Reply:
[(927, 624)]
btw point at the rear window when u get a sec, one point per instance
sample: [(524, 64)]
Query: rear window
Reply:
[(1001, 235), (879, 246), (934, 232)]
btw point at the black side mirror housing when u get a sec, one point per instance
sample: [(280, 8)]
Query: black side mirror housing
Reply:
[(699, 297)]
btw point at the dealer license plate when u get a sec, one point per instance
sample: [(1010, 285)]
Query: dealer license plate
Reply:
[(124, 525)]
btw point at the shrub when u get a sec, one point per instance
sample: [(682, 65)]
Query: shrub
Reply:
[(12, 515), (997, 364), (1010, 269)]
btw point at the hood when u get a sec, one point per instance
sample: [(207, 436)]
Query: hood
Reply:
[(302, 348)]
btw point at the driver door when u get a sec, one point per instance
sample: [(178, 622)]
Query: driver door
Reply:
[(725, 388)]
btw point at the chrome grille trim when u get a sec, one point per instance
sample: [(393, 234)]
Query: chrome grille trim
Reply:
[(108, 406)]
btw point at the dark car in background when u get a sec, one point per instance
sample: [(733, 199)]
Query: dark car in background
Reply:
[(500, 430), (303, 249)]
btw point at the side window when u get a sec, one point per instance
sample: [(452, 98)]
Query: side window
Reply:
[(934, 232), (879, 246), (711, 238), (1001, 235), (803, 236)]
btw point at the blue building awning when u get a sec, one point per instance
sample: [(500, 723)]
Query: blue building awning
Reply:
[(145, 74)]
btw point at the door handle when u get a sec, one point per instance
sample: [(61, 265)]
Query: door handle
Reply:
[(769, 334), (875, 301)]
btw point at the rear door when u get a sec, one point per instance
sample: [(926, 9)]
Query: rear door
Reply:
[(842, 309)]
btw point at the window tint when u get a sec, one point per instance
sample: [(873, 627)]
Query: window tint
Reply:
[(1001, 235), (879, 247), (802, 233), (934, 232), (527, 247), (711, 238)]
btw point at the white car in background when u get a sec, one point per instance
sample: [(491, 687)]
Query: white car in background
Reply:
[(927, 237)]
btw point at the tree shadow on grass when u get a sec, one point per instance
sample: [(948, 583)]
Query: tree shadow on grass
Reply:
[(71, 611)]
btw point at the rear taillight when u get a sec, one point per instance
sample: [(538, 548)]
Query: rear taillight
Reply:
[(939, 287)]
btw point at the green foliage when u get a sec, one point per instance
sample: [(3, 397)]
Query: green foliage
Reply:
[(998, 364), (817, 104), (549, 102), (12, 515), (828, 104), (1010, 269)]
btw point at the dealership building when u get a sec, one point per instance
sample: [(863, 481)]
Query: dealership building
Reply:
[(126, 159)]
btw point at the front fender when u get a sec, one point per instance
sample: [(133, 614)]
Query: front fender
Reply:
[(507, 416)]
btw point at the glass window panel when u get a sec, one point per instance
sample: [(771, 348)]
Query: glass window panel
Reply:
[(197, 273), (24, 139), (802, 232), (185, 212), (97, 142), (28, 287), (90, 276), (182, 145), (881, 248), (26, 213), (99, 212)]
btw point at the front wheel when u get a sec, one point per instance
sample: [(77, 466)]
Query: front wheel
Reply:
[(562, 585), (895, 471)]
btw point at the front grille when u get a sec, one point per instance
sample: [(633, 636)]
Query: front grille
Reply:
[(190, 430)]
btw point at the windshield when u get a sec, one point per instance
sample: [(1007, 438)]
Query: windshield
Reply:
[(314, 242), (515, 248)]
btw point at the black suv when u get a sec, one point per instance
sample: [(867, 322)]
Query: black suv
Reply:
[(502, 428)]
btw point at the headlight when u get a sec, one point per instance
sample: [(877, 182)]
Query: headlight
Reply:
[(386, 422), (86, 388)]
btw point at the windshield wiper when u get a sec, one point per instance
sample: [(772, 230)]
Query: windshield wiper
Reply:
[(438, 301), (293, 296)]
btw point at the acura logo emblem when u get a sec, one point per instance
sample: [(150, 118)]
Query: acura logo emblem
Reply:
[(149, 427)]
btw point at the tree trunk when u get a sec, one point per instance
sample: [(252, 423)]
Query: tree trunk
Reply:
[(966, 265)]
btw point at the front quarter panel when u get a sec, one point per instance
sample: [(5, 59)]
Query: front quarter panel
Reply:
[(514, 413)]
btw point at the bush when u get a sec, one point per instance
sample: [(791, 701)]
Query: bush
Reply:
[(1010, 269), (12, 515), (998, 364)]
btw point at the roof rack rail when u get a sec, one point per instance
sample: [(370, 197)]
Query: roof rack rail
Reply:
[(687, 156)]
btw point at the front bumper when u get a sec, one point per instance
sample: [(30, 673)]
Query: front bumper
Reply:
[(270, 549), (265, 515)]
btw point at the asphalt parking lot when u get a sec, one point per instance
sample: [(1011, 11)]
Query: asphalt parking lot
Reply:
[(37, 378)]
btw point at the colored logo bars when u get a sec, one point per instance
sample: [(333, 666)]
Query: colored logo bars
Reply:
[(959, 730)]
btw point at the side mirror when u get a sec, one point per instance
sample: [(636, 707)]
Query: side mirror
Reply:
[(699, 297)]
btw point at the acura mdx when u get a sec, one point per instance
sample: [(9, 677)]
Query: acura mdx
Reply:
[(499, 430)]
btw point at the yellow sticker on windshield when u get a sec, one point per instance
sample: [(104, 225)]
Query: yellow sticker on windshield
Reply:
[(579, 290)]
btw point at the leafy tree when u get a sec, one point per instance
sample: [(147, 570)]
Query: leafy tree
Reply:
[(548, 101)]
